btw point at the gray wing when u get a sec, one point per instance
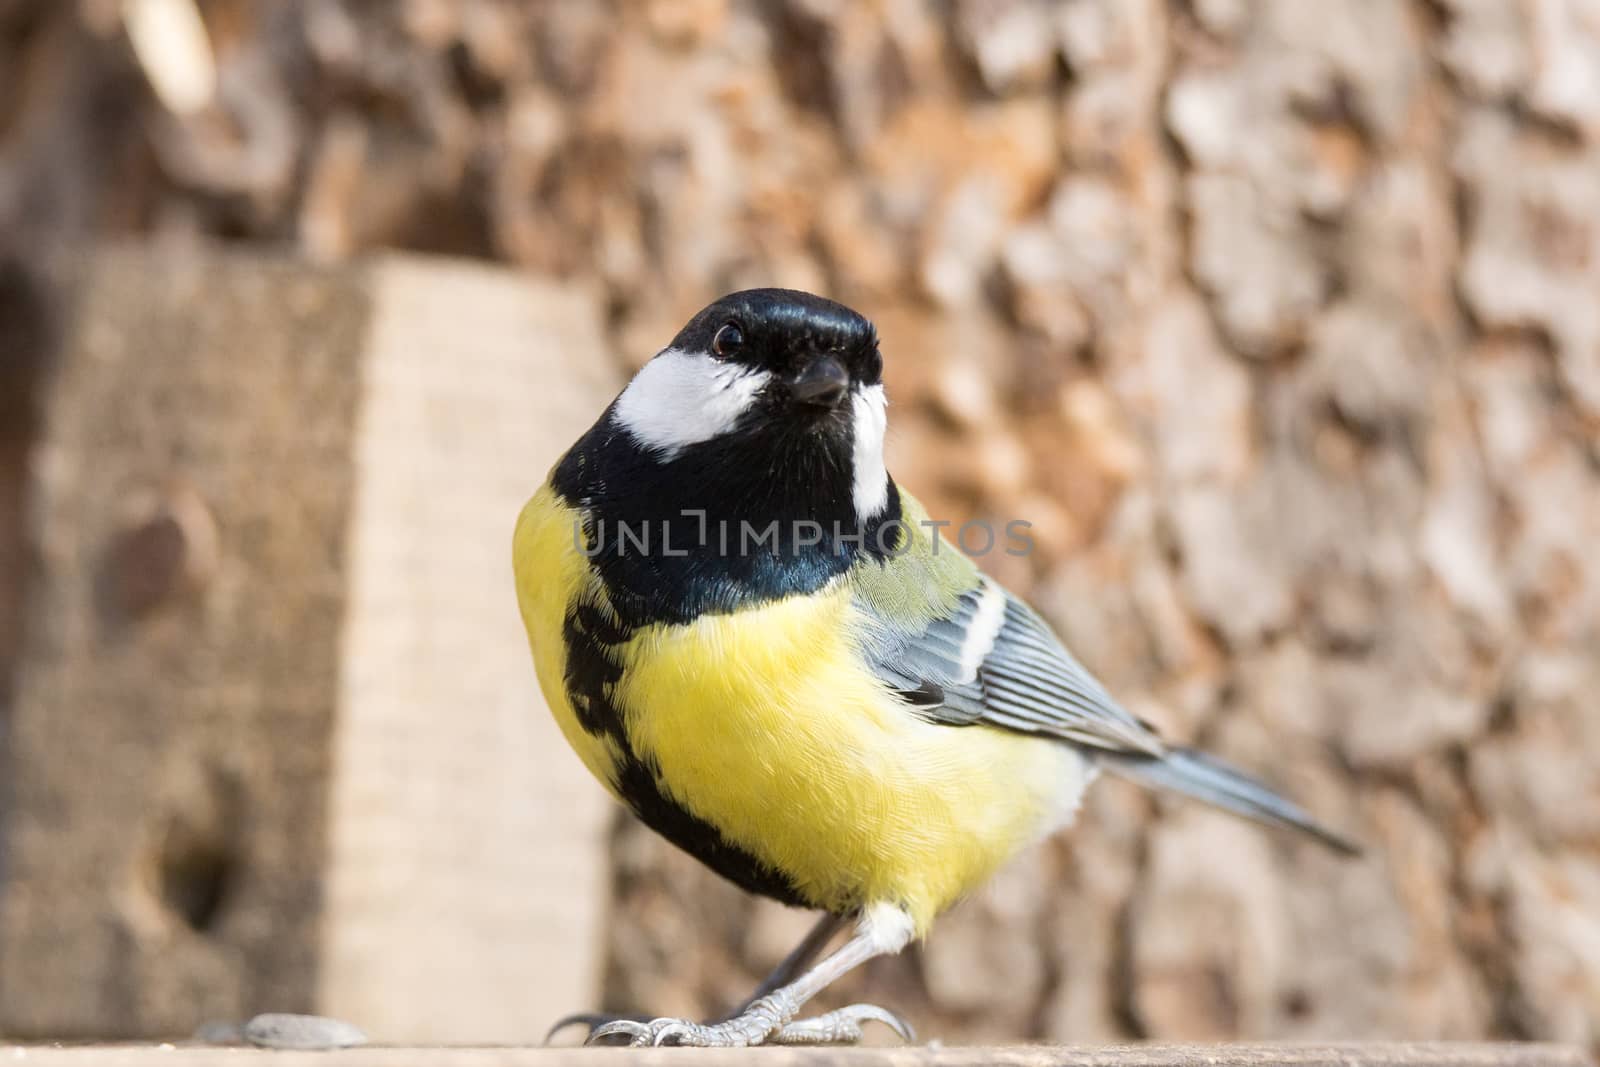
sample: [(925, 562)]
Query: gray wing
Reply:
[(993, 660)]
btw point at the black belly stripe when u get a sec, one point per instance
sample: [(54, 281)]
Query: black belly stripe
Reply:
[(638, 785), (593, 636)]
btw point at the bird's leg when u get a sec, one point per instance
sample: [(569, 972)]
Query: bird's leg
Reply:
[(795, 963), (785, 972), (882, 930)]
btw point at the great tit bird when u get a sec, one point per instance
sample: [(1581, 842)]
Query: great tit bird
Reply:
[(758, 642)]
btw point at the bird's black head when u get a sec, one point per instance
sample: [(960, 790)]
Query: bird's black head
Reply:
[(766, 411), (769, 380), (813, 349)]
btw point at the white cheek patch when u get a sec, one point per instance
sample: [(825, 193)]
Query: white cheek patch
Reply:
[(683, 398), (871, 420)]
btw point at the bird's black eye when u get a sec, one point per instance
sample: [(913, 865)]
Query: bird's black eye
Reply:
[(728, 341), (872, 367)]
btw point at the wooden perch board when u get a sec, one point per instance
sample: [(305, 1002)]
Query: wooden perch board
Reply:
[(276, 742), (1377, 1054)]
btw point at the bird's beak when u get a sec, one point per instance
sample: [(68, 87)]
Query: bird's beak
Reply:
[(825, 383)]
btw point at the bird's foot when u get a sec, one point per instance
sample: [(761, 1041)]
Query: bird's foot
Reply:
[(753, 1026), (841, 1027), (769, 1020)]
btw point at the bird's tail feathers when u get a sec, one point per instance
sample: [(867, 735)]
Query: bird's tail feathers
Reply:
[(1201, 777)]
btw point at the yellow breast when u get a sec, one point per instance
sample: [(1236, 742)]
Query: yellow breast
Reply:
[(551, 575), (765, 724)]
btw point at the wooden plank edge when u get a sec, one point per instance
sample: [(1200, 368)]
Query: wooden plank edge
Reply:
[(1355, 1054)]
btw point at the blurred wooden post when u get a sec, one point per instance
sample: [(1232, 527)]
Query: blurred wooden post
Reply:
[(276, 742)]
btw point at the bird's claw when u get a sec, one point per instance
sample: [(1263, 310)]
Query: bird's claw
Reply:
[(842, 1027), (640, 1033), (590, 1020), (760, 1019)]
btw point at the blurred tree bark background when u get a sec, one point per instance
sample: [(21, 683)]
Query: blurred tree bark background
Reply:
[(1280, 321)]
